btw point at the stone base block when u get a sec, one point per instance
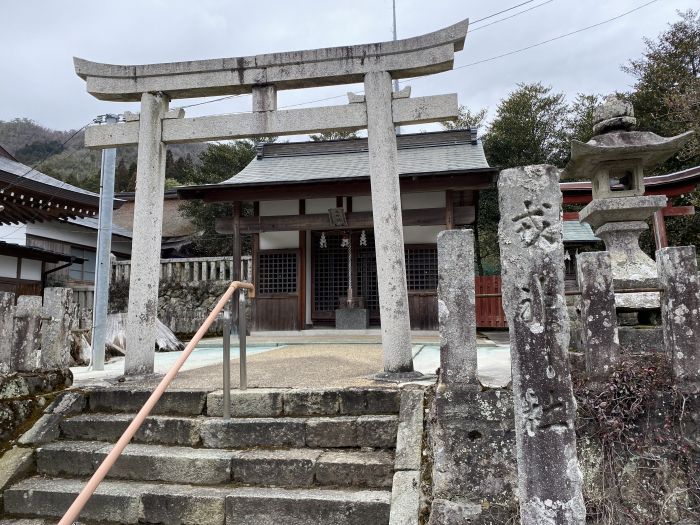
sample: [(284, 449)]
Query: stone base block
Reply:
[(637, 339), (352, 319)]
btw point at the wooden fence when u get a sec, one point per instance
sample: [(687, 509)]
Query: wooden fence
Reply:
[(489, 310)]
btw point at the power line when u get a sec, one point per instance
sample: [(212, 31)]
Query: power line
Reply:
[(501, 12), (209, 101), (341, 96), (511, 16), (556, 37)]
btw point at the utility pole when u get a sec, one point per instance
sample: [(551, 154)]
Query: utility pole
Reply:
[(103, 266), (396, 81)]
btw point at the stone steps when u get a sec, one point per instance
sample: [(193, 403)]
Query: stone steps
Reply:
[(128, 502), (376, 431), (197, 466), (285, 457)]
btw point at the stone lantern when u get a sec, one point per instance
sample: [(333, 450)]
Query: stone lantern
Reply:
[(614, 161)]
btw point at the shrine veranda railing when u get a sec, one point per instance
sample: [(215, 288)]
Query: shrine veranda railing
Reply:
[(194, 269)]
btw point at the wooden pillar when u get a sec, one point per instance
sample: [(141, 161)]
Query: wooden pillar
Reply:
[(255, 246), (18, 280), (449, 210), (301, 271), (236, 263), (236, 270), (355, 245), (659, 225)]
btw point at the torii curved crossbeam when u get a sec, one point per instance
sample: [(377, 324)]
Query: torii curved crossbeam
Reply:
[(420, 55)]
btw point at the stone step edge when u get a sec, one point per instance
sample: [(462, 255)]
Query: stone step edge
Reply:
[(138, 489), (139, 500), (318, 432), (55, 484), (295, 467), (270, 402)]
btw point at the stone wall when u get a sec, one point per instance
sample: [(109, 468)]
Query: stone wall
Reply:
[(182, 306), (23, 397), (637, 447)]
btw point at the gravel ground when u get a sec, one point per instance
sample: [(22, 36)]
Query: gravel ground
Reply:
[(296, 366)]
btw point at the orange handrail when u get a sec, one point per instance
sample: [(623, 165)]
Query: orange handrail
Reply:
[(81, 500)]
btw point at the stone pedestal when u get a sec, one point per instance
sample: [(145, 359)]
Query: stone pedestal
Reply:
[(145, 250), (473, 468), (532, 261), (619, 221), (388, 225), (352, 318)]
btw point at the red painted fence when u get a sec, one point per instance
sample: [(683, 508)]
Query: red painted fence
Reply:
[(489, 311)]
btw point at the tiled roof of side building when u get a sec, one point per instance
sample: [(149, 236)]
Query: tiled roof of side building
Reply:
[(25, 172), (446, 151), (575, 231), (92, 223)]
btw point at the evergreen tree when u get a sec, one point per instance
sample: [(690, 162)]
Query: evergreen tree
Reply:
[(666, 94), (333, 135), (529, 128), (121, 177), (466, 119), (218, 163)]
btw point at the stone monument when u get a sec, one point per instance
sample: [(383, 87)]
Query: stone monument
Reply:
[(532, 262), (614, 161)]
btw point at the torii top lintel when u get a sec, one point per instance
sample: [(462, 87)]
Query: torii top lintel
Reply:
[(421, 55)]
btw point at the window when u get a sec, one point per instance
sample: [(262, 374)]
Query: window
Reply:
[(422, 268), (84, 271), (277, 273)]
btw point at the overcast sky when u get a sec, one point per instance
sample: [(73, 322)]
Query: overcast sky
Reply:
[(40, 37)]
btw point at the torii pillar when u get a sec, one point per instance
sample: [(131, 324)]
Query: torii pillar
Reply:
[(388, 226), (148, 227)]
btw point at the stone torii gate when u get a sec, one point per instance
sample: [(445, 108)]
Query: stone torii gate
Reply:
[(380, 111)]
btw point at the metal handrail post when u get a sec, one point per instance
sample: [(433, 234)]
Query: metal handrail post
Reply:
[(227, 361), (242, 339)]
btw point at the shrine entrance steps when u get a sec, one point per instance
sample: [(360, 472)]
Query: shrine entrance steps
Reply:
[(286, 456)]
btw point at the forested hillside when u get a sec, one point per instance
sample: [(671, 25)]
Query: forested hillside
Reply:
[(62, 154)]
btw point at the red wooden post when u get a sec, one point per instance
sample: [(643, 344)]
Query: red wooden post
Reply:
[(659, 225)]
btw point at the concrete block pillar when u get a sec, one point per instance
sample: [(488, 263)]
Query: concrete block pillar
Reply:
[(680, 313), (26, 334), (601, 346), (457, 307), (145, 249), (7, 323), (532, 262), (388, 225), (56, 328)]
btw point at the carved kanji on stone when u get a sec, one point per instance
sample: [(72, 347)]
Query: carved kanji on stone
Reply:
[(533, 225), (532, 261)]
